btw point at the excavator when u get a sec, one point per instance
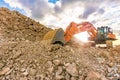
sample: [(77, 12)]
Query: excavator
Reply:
[(99, 35)]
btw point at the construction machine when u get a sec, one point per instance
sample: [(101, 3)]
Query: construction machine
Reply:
[(99, 35)]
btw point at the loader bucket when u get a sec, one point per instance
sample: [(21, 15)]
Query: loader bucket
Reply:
[(55, 36)]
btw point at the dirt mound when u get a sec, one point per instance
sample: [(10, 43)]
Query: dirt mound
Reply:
[(24, 57), (14, 25), (37, 61)]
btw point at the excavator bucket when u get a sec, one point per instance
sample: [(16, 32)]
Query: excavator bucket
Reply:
[(55, 36)]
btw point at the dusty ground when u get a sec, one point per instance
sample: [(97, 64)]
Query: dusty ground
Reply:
[(24, 57)]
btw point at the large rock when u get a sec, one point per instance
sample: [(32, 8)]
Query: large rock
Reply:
[(95, 76), (72, 69), (4, 71)]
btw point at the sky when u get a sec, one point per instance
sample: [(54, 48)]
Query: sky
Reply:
[(59, 13)]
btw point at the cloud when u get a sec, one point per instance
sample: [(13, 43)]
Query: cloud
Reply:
[(57, 9), (88, 11), (99, 12)]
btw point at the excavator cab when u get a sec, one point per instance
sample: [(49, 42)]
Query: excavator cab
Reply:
[(102, 33), (105, 33)]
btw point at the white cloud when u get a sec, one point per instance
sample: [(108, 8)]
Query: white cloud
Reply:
[(110, 16), (17, 4), (99, 12)]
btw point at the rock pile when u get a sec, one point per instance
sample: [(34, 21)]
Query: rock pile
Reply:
[(37, 61), (16, 26)]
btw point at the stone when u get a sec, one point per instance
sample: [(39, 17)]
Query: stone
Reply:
[(23, 69), (82, 77), (93, 76), (46, 78), (105, 54), (32, 72), (23, 78), (109, 69), (116, 75), (17, 54), (9, 71), (118, 71), (73, 78), (27, 41), (59, 71), (25, 73), (59, 77), (39, 77), (101, 60), (50, 70), (4, 71), (67, 76), (103, 78), (110, 74), (49, 63), (72, 69), (1, 65), (66, 64), (56, 62), (110, 64)]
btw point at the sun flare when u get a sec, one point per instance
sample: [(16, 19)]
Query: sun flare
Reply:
[(83, 36)]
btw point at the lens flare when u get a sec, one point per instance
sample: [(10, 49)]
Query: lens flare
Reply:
[(83, 36)]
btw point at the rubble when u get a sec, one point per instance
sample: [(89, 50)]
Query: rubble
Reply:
[(23, 56)]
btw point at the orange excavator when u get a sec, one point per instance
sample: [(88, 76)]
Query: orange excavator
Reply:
[(74, 28), (99, 35)]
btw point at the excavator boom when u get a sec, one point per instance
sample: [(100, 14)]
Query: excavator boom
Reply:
[(74, 28)]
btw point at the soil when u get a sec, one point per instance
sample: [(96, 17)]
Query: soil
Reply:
[(24, 56)]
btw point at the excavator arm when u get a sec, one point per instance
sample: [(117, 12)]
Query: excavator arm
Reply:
[(74, 28)]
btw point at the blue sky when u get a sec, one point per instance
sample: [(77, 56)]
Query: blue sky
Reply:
[(53, 1), (3, 4), (59, 13)]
